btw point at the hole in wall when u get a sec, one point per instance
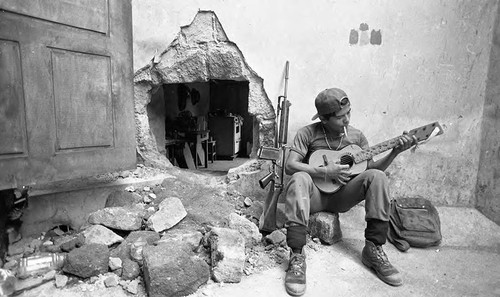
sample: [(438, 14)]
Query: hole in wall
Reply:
[(199, 100), (202, 125)]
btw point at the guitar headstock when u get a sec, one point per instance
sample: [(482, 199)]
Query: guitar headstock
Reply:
[(426, 131)]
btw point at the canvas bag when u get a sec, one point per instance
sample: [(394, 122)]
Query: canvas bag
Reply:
[(413, 222)]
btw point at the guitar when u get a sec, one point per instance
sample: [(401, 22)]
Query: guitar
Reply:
[(357, 158)]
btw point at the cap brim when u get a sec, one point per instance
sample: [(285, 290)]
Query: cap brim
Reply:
[(340, 113), (344, 110)]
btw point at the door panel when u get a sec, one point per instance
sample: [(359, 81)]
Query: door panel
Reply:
[(82, 87), (66, 91), (12, 116)]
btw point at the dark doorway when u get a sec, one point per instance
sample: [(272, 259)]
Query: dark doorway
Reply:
[(206, 122)]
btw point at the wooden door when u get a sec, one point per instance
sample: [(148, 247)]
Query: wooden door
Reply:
[(66, 91)]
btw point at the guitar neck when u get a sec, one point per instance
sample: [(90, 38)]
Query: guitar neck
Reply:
[(375, 150)]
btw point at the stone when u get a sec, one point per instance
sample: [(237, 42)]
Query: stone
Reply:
[(247, 229), (88, 260), (277, 237), (49, 275), (115, 263), (136, 249), (326, 227), (132, 287), (61, 280), (122, 251), (130, 269), (76, 242), (111, 281), (20, 247), (121, 218), (122, 198), (186, 272), (101, 235), (189, 237), (227, 255), (171, 211), (247, 202)]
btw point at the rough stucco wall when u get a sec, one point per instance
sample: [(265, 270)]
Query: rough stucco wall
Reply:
[(488, 185), (430, 65)]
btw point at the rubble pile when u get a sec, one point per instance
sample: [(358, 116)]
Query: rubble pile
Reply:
[(137, 243)]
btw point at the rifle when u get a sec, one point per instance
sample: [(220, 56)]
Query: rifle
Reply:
[(276, 155)]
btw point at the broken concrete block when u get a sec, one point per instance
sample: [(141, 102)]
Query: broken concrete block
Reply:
[(136, 249), (123, 250), (88, 260), (130, 269), (227, 255), (76, 242), (111, 281), (101, 235), (122, 198), (132, 287), (171, 211), (190, 237), (121, 218), (277, 237), (326, 227), (115, 263), (61, 280), (172, 269), (247, 229)]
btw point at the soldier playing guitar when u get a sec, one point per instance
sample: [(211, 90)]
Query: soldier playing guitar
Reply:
[(303, 197)]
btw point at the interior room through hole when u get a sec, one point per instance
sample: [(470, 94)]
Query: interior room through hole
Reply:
[(197, 124)]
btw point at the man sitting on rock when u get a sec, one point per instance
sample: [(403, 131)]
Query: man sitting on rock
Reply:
[(303, 197)]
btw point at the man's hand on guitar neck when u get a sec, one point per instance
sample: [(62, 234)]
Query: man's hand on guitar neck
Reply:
[(406, 141), (336, 172)]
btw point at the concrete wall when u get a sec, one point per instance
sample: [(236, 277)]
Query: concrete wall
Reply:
[(488, 185), (424, 61)]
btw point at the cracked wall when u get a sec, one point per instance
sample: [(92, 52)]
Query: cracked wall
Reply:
[(431, 65), (200, 53)]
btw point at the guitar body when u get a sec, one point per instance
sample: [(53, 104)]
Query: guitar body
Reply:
[(344, 157), (357, 158)]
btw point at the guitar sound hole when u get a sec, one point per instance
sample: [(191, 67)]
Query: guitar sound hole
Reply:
[(347, 160)]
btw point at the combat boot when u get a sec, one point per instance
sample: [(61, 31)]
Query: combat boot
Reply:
[(295, 280), (374, 257)]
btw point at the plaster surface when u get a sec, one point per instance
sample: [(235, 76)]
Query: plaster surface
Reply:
[(429, 64)]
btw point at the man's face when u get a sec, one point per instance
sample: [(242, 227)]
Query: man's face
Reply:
[(337, 123)]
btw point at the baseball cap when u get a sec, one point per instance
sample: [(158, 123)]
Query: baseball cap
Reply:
[(332, 100)]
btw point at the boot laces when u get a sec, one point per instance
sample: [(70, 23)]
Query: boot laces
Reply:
[(381, 256), (297, 264)]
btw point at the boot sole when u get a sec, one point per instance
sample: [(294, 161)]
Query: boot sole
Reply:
[(295, 293), (380, 276)]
